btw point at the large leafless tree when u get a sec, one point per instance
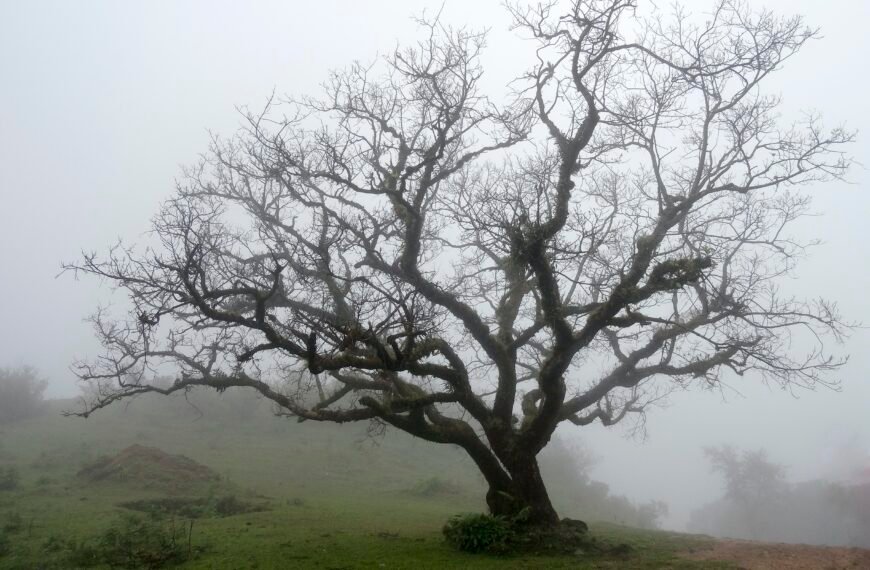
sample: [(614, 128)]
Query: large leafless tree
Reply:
[(476, 271)]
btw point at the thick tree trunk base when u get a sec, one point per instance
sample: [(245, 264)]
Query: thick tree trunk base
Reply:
[(525, 500), (534, 523), (504, 504)]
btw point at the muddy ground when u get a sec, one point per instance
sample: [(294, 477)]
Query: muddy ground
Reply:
[(751, 555)]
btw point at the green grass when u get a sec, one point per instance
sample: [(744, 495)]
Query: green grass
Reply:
[(358, 506)]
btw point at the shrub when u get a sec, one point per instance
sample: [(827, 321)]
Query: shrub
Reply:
[(132, 542), (137, 543), (5, 544), (475, 532), (14, 523), (8, 478), (81, 554), (54, 544), (436, 487), (44, 481)]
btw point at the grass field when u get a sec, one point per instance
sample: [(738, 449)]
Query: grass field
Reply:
[(336, 498)]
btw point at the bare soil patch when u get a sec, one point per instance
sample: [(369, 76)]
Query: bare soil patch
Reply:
[(750, 555)]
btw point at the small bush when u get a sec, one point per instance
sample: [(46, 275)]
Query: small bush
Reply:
[(230, 505), (44, 481), (5, 544), (475, 532), (14, 523), (132, 542), (9, 478), (54, 544), (81, 554), (436, 487), (137, 543)]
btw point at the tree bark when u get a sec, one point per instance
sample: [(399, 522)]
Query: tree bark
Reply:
[(514, 485), (526, 491)]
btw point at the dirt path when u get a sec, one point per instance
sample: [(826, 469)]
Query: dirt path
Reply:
[(775, 556)]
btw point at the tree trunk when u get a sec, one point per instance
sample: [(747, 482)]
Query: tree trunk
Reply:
[(526, 491), (515, 489)]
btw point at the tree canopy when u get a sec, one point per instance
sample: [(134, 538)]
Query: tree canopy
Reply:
[(477, 269)]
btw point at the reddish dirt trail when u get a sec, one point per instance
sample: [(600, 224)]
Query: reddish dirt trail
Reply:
[(751, 555)]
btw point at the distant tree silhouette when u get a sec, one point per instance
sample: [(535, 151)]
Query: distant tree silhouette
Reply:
[(760, 504), (753, 483), (21, 393)]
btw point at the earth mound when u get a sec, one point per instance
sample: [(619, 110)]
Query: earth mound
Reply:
[(149, 467)]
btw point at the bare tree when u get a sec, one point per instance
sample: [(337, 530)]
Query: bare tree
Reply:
[(408, 251)]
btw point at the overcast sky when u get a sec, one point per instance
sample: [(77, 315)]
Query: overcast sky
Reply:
[(101, 103)]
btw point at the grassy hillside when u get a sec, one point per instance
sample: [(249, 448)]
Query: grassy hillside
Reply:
[(336, 497)]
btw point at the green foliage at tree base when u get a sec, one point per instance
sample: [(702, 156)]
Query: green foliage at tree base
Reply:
[(478, 532)]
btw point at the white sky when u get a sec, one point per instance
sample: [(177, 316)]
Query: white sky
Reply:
[(101, 102)]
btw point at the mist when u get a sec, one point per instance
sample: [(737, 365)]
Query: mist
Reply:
[(101, 106)]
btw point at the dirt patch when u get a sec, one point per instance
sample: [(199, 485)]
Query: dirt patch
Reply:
[(750, 555), (149, 467)]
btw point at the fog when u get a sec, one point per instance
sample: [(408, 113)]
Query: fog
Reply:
[(102, 103)]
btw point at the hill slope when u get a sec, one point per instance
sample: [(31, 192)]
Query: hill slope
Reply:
[(326, 496)]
